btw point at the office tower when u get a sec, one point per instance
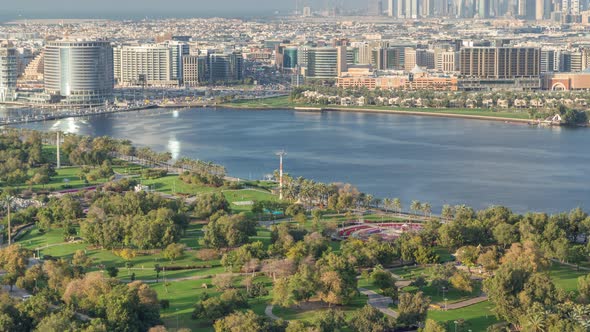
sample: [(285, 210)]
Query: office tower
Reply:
[(409, 58), (79, 72), (322, 62), (441, 8), (400, 8), (483, 8), (390, 8), (411, 9), (8, 72), (571, 7), (548, 61), (306, 11), (500, 62), (194, 70), (375, 7), (151, 64), (425, 8), (225, 67), (342, 60), (290, 58), (540, 10), (446, 60), (394, 58)]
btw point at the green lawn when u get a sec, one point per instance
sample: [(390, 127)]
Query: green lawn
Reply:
[(566, 277), (476, 317)]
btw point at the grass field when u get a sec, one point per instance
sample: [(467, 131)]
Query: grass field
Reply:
[(476, 317), (566, 277)]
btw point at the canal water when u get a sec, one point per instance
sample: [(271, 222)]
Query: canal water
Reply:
[(435, 160)]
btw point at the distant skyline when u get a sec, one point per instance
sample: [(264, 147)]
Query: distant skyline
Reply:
[(156, 8)]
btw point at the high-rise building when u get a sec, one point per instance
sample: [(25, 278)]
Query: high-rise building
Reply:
[(79, 72), (150, 64), (500, 62), (390, 8), (194, 70), (8, 72), (483, 8), (571, 7), (542, 10), (446, 60), (548, 61), (224, 67), (411, 8), (290, 58), (322, 62)]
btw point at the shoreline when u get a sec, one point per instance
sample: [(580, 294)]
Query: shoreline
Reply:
[(385, 111), (309, 109)]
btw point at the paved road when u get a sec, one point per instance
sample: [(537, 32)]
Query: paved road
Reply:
[(380, 302), (268, 312)]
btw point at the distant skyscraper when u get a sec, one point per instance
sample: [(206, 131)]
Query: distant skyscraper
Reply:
[(483, 8), (411, 8), (79, 72), (390, 8), (570, 7), (8, 72)]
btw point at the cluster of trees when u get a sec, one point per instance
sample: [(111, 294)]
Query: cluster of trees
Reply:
[(20, 152), (524, 295), (226, 231), (201, 172), (572, 117), (67, 299), (139, 220)]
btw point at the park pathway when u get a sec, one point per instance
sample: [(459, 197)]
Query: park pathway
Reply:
[(269, 314), (462, 304), (379, 302)]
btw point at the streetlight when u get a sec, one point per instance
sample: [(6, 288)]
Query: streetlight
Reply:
[(456, 323)]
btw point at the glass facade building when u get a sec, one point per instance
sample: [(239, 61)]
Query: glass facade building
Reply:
[(79, 73)]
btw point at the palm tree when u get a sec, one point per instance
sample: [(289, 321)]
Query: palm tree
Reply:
[(427, 209), (387, 204), (447, 212), (368, 200), (415, 206), (536, 322), (397, 205)]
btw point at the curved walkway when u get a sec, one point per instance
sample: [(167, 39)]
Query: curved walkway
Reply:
[(269, 314), (380, 302)]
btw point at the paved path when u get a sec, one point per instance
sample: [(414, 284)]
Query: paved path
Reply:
[(379, 301), (268, 312), (463, 304)]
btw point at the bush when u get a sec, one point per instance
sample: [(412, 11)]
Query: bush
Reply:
[(154, 173), (165, 304)]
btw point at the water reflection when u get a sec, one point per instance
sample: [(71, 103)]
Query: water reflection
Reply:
[(435, 160)]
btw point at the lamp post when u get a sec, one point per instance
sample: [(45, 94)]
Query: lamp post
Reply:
[(456, 323)]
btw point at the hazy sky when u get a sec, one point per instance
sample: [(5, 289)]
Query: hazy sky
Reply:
[(186, 7)]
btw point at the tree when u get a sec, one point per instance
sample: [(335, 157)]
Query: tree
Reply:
[(369, 319), (329, 320), (489, 260), (468, 255), (433, 326), (241, 321), (13, 260), (412, 308), (174, 251), (397, 205), (81, 259), (461, 282), (63, 321), (526, 256), (505, 234), (427, 209), (112, 271), (415, 207)]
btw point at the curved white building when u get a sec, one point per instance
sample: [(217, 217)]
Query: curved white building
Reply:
[(79, 73)]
